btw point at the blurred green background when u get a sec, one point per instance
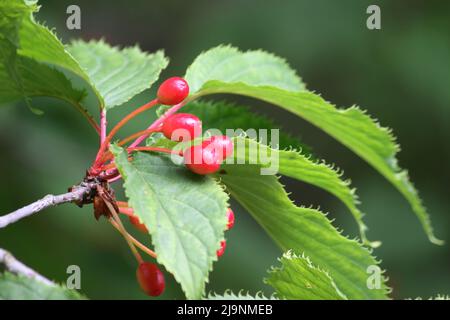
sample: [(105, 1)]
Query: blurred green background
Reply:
[(400, 74)]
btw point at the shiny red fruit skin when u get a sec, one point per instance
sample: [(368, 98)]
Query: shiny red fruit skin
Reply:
[(151, 279), (188, 122), (173, 91), (222, 144), (201, 161), (223, 245), (135, 222), (230, 217)]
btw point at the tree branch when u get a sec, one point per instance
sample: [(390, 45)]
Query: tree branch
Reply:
[(78, 194), (15, 266)]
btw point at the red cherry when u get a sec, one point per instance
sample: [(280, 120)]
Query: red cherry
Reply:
[(150, 278), (201, 161), (230, 217), (173, 91), (223, 245), (222, 145), (189, 127), (135, 222)]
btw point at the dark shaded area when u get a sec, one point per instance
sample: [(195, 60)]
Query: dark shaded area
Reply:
[(400, 74)]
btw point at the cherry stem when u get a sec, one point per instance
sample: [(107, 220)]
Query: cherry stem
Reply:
[(121, 123), (103, 124), (114, 179), (108, 167), (126, 140), (122, 204), (156, 149), (113, 176), (138, 244), (155, 125), (122, 230), (145, 132), (126, 211)]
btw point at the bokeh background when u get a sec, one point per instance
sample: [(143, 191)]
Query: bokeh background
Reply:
[(400, 74)]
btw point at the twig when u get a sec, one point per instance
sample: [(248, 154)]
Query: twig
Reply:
[(15, 266), (76, 195)]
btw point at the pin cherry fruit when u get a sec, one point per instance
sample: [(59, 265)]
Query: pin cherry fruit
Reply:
[(222, 145), (230, 217), (135, 222), (223, 245), (173, 91), (201, 161), (189, 125), (150, 278)]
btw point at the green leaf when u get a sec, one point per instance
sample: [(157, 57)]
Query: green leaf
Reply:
[(39, 43), (229, 295), (31, 58), (299, 279), (293, 164), (118, 75), (301, 229), (13, 287), (185, 213), (11, 14), (224, 115), (352, 127), (114, 76), (228, 64), (36, 80)]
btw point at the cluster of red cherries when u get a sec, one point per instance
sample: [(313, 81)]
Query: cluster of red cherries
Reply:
[(204, 158)]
